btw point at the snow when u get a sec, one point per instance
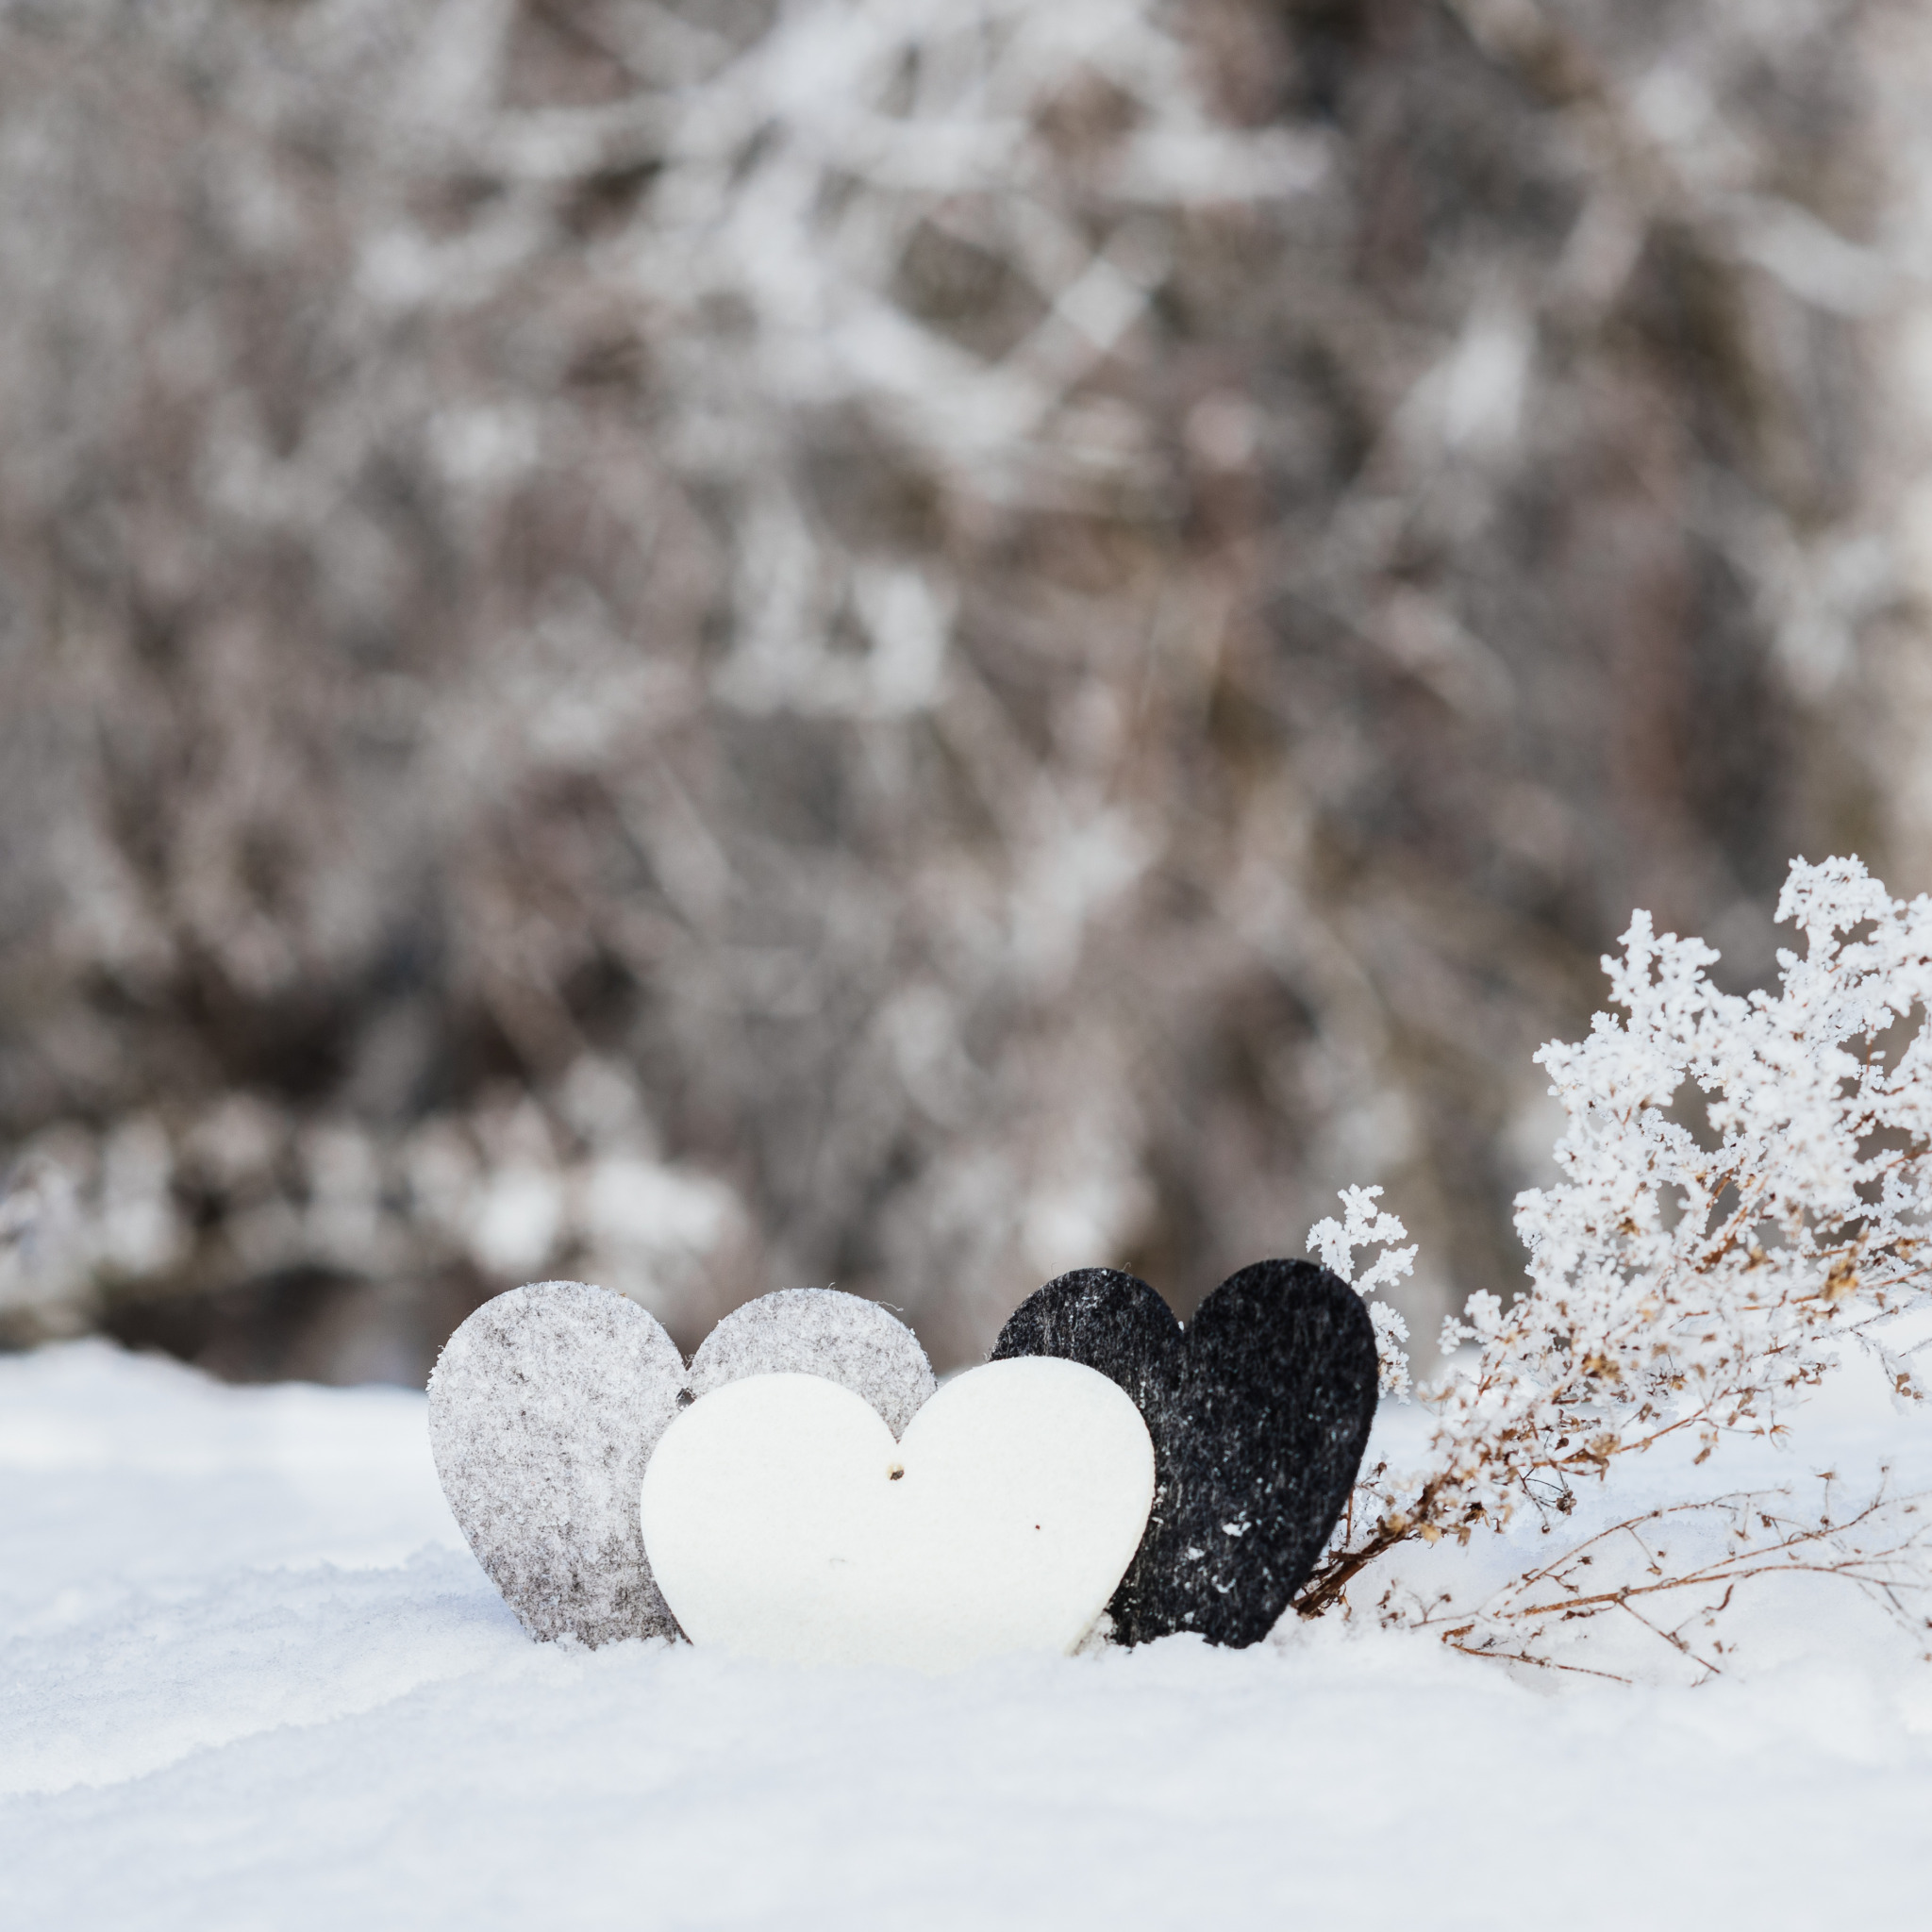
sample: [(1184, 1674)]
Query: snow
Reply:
[(252, 1678)]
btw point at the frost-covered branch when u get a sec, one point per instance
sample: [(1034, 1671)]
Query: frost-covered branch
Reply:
[(1744, 1195), (1673, 1572), (1363, 1225), (1032, 615)]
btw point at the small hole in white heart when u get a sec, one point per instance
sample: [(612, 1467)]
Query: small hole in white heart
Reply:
[(897, 1470)]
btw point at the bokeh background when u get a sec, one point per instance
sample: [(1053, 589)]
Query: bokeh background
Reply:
[(714, 645)]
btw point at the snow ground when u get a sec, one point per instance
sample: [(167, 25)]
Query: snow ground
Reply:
[(249, 1678)]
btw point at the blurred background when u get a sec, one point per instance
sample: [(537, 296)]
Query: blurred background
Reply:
[(714, 645)]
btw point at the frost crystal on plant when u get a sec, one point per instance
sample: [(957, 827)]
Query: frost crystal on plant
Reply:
[(1364, 1224), (1744, 1184)]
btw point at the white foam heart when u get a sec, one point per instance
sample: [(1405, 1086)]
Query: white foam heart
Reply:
[(783, 1521)]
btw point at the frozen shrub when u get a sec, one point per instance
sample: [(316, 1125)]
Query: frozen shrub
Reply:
[(1746, 1184), (1051, 628)]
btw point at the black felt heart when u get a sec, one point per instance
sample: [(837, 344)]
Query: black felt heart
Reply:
[(1259, 1411)]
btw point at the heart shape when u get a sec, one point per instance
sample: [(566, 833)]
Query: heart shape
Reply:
[(544, 1408), (784, 1521), (545, 1405), (1259, 1411), (818, 1331)]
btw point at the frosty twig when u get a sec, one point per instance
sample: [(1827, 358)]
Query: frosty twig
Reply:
[(1687, 1277)]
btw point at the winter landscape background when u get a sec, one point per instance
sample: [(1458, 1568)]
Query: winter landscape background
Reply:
[(724, 645), (715, 646)]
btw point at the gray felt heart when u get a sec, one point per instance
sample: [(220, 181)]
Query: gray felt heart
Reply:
[(818, 1331), (545, 1407)]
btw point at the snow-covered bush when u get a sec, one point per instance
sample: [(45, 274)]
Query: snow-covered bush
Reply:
[(1744, 1197), (1058, 624)]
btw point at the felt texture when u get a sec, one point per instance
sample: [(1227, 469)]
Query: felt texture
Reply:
[(545, 1405), (784, 1521), (818, 1331), (1259, 1411), (544, 1408)]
